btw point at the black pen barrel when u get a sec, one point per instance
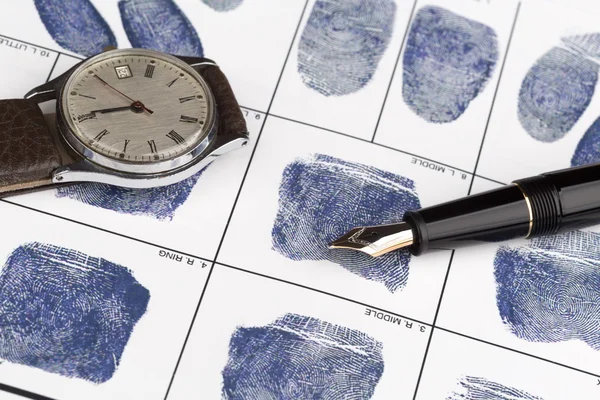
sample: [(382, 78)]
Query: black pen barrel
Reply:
[(541, 205), (498, 214)]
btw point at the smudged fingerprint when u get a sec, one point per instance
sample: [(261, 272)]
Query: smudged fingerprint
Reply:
[(558, 88), (67, 313), (476, 388), (588, 148), (76, 25), (588, 44), (342, 44), (159, 25), (223, 5), (447, 62), (160, 203), (549, 291), (322, 197), (298, 357)]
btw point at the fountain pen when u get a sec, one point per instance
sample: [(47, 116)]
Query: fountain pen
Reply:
[(541, 205)]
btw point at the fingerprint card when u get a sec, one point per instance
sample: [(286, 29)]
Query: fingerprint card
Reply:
[(444, 84), (459, 368), (174, 216), (306, 187), (341, 64), (280, 341), (545, 113), (86, 314), (538, 296)]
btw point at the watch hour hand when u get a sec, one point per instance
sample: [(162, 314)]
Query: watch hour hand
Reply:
[(92, 114), (110, 110)]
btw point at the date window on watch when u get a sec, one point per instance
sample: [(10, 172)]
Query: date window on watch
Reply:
[(123, 72)]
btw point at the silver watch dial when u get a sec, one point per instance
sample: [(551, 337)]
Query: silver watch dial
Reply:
[(137, 107)]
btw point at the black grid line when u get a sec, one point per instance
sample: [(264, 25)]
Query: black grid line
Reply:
[(208, 277), (240, 190), (104, 230), (524, 353), (469, 192), (432, 325), (53, 66), (383, 146), (372, 143), (489, 179), (252, 109), (487, 124), (387, 92), (189, 332), (437, 311), (312, 289), (23, 393)]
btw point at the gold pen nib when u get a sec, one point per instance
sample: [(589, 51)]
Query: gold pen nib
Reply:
[(376, 240)]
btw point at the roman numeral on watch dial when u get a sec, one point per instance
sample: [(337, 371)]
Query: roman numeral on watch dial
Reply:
[(152, 145), (85, 117), (99, 136), (149, 71), (186, 99), (185, 118), (175, 137), (125, 146)]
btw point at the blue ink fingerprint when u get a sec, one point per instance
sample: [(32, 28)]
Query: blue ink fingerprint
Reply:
[(159, 25), (222, 5), (476, 388), (322, 197), (549, 291), (67, 313), (555, 93), (299, 357), (342, 44), (159, 202), (76, 25), (447, 62), (588, 148)]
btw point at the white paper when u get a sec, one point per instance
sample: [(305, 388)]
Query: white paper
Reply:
[(224, 279)]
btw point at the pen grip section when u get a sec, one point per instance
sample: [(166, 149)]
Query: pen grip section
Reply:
[(578, 192), (543, 203), (491, 216)]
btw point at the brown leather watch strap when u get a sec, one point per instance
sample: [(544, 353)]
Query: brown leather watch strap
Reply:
[(28, 151), (231, 119)]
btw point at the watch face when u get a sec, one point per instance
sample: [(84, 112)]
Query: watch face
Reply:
[(137, 106)]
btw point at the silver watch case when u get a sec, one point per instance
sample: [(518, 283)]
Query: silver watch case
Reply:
[(95, 167)]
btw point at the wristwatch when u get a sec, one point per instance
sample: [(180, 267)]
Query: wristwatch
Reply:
[(127, 117)]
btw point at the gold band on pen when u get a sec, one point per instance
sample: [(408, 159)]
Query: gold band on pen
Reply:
[(528, 202)]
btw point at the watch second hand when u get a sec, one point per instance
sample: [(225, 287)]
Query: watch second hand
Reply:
[(123, 94)]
